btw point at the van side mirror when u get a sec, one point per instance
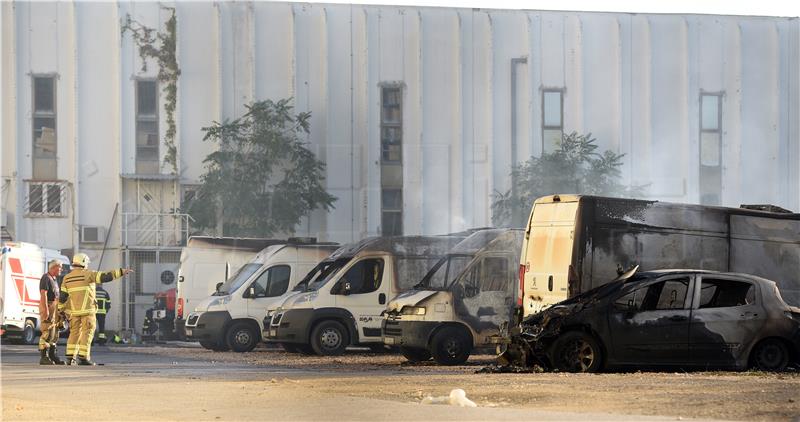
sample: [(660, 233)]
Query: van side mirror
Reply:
[(346, 289), (216, 289), (251, 292), (180, 279)]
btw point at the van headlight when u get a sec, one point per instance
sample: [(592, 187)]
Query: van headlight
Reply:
[(222, 300), (413, 310)]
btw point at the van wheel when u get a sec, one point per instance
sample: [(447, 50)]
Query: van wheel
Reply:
[(451, 346), (771, 355), (28, 333), (241, 337), (415, 355), (329, 338), (576, 351)]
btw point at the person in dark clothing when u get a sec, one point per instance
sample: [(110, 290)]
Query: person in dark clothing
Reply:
[(103, 306), (49, 314)]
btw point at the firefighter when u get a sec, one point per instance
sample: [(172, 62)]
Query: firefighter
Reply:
[(49, 314), (80, 285), (103, 306)]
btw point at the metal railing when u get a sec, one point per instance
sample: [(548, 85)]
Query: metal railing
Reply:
[(155, 230), (46, 198)]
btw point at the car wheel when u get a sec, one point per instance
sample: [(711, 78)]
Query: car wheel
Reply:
[(576, 352), (451, 346), (241, 337), (771, 355), (28, 333), (413, 354), (329, 338)]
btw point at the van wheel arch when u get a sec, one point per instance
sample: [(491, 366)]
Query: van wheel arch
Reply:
[(341, 316), (456, 325)]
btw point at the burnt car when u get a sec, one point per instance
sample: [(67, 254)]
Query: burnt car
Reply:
[(672, 318)]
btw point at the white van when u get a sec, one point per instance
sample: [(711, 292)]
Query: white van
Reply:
[(344, 305), (461, 303), (232, 317), (207, 261), (21, 267)]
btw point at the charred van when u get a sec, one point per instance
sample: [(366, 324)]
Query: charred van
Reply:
[(575, 243), (460, 303)]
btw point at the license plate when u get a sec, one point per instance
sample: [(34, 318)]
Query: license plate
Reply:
[(388, 340), (188, 333)]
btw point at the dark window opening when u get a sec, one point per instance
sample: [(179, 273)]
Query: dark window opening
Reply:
[(725, 293), (365, 276)]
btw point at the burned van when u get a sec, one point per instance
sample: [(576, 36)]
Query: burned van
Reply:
[(575, 243), (343, 307), (460, 303)]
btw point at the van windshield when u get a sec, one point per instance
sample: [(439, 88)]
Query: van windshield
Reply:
[(230, 285), (326, 274), (442, 275)]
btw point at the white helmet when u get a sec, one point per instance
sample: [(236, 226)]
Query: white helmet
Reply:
[(81, 259)]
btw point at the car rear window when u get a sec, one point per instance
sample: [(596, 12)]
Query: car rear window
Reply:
[(715, 293)]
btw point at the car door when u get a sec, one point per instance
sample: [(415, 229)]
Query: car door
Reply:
[(483, 301), (727, 316), (649, 323), (362, 291), (271, 283)]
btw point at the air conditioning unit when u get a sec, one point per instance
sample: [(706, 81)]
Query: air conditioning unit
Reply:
[(93, 234), (159, 277)]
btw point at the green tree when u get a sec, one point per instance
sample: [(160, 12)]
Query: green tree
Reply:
[(262, 179), (575, 167)]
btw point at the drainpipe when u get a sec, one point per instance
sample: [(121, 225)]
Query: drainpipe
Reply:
[(514, 63)]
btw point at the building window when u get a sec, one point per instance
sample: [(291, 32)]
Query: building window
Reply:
[(147, 161), (710, 148), (44, 128), (45, 199), (391, 125), (391, 212), (552, 119)]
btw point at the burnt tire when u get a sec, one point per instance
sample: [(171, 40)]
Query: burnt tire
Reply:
[(413, 354), (451, 346), (242, 337), (770, 355), (576, 351), (28, 333), (329, 338)]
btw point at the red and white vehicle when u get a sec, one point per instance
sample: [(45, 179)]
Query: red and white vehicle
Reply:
[(21, 267)]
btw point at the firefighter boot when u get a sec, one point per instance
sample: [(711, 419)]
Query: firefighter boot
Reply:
[(86, 362), (51, 353), (44, 359)]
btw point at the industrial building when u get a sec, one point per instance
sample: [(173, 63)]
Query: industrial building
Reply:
[(418, 112)]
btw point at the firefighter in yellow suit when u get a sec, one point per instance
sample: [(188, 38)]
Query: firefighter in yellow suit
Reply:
[(81, 306)]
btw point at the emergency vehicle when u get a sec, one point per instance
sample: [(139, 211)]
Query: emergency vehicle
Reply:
[(21, 267)]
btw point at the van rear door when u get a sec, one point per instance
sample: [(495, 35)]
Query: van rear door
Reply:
[(547, 253)]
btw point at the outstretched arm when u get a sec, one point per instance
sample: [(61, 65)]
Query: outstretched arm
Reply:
[(106, 276)]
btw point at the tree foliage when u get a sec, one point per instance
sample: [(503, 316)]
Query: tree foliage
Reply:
[(575, 167), (262, 179)]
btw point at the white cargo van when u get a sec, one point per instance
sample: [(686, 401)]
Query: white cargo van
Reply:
[(344, 306), (207, 261), (462, 301), (21, 267), (232, 317)]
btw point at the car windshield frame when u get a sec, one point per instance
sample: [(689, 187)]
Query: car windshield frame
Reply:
[(238, 279), (326, 274), (424, 284)]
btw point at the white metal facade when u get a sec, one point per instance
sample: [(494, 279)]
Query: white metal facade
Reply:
[(633, 80)]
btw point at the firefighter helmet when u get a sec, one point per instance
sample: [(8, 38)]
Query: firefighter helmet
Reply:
[(81, 259)]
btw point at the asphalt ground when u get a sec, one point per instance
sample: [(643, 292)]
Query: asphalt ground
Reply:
[(161, 384)]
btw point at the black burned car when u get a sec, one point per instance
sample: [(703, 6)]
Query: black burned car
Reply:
[(676, 318)]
